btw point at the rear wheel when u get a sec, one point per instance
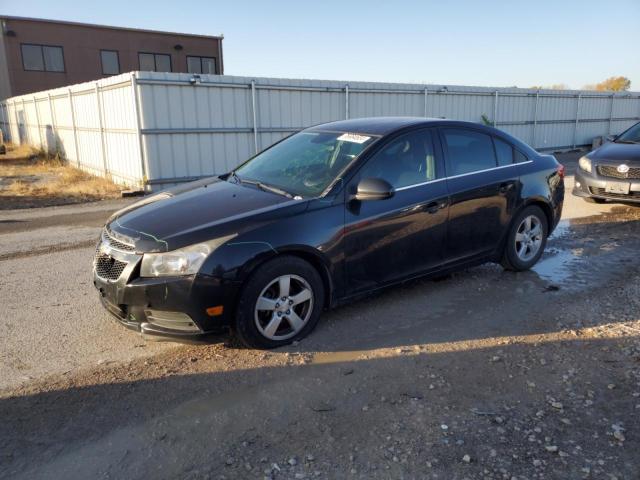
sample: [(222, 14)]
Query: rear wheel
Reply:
[(527, 239), (594, 200), (280, 303)]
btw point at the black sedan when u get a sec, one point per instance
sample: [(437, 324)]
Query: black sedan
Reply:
[(611, 172), (324, 216)]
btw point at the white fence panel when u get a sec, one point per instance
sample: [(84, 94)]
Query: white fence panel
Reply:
[(151, 130)]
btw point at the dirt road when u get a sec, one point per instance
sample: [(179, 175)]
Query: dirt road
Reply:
[(485, 374)]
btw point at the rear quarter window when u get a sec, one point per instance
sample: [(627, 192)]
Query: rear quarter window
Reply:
[(504, 152), (519, 157)]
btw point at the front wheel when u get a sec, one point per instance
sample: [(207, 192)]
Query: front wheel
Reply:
[(280, 303), (527, 239)]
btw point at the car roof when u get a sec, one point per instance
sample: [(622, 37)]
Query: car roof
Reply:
[(382, 126), (374, 125), (385, 125)]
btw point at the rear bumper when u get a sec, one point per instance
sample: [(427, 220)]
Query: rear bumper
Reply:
[(594, 186)]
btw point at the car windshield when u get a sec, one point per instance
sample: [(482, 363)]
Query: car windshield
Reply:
[(304, 164), (630, 136)]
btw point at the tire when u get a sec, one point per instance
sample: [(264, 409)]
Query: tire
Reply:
[(594, 200), (513, 257), (281, 321)]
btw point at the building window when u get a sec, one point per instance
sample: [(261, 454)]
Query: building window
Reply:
[(42, 58), (201, 65), (154, 62), (110, 62)]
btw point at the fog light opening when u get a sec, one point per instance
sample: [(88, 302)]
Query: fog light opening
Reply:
[(578, 184)]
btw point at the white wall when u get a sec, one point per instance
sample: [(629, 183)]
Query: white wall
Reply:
[(156, 129)]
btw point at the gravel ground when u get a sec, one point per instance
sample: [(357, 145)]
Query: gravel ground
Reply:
[(484, 374), (52, 322)]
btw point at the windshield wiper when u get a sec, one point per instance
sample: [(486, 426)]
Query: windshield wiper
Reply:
[(627, 141), (268, 188)]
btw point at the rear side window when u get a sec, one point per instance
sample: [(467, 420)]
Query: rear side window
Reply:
[(405, 161), (504, 152), (468, 151)]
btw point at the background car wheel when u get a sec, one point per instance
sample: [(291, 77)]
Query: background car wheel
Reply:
[(280, 303), (594, 200), (526, 240)]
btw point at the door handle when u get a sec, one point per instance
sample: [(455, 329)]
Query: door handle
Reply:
[(505, 187), (433, 207)]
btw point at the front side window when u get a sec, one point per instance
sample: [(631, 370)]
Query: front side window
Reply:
[(154, 62), (110, 62), (201, 65), (306, 163), (468, 151), (405, 161), (42, 58)]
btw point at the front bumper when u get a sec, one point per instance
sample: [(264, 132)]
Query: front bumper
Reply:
[(594, 185), (169, 306)]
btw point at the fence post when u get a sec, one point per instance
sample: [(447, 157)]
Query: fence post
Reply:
[(27, 134), (73, 125), (575, 129), (253, 113), (613, 96), (54, 123), (35, 105), (535, 120), (102, 146), (346, 102), (15, 115), (4, 123), (495, 110), (426, 95), (136, 103)]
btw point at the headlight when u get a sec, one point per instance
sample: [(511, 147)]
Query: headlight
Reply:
[(585, 164), (184, 261)]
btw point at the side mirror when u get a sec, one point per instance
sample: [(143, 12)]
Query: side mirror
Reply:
[(373, 189)]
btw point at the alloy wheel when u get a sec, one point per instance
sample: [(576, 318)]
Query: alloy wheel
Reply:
[(284, 307), (529, 238)]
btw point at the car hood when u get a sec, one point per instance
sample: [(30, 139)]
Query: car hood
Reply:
[(617, 153), (194, 213)]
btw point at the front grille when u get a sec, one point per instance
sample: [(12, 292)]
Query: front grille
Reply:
[(113, 242), (108, 267), (608, 171), (602, 192)]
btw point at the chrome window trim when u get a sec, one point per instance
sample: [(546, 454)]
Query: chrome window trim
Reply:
[(421, 184), (461, 175), (489, 169)]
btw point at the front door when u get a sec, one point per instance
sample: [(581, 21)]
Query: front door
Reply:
[(386, 240)]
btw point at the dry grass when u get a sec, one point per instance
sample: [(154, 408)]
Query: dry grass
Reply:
[(29, 178)]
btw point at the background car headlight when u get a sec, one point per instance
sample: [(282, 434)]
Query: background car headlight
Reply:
[(585, 164), (184, 261)]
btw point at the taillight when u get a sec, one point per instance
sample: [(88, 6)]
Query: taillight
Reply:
[(560, 170)]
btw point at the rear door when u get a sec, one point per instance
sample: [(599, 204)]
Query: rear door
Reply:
[(483, 191), (386, 240)]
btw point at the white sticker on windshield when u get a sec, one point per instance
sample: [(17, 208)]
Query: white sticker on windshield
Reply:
[(352, 137)]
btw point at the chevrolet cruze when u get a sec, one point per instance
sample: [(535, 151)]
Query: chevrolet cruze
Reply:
[(611, 172), (320, 218)]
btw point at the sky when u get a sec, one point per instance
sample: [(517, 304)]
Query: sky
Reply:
[(464, 42)]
